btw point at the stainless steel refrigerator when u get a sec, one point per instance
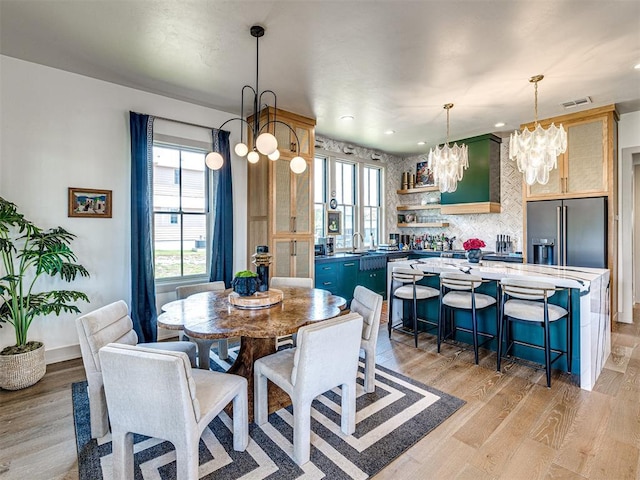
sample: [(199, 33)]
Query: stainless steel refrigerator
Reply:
[(568, 232)]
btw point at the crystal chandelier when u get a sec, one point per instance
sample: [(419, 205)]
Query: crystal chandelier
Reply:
[(264, 141), (537, 150), (448, 163)]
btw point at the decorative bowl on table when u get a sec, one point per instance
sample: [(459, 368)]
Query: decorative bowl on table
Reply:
[(245, 283)]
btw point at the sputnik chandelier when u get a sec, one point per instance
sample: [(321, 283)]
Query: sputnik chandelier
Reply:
[(448, 163), (264, 141), (537, 150)]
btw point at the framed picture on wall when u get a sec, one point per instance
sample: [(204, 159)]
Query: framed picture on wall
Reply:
[(89, 202), (424, 175), (334, 223)]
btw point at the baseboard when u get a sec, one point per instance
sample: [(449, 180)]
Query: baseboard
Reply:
[(62, 354)]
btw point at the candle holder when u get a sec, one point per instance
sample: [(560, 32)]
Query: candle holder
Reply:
[(262, 259)]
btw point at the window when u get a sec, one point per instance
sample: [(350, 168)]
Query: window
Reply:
[(357, 188), (180, 207)]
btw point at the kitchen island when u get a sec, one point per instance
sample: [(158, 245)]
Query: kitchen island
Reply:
[(590, 316)]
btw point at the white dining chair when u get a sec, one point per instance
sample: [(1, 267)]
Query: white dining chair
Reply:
[(326, 357), (368, 304), (159, 395)]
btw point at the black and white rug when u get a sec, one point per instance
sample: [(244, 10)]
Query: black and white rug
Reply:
[(398, 414)]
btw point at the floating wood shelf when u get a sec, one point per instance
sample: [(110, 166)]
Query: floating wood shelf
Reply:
[(423, 225), (430, 206), (418, 190)]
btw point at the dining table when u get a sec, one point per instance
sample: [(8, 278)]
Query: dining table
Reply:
[(209, 316)]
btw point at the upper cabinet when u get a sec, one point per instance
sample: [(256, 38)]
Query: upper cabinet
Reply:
[(479, 189), (586, 168)]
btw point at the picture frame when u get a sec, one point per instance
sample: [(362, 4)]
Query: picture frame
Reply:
[(89, 203), (334, 223), (424, 175)]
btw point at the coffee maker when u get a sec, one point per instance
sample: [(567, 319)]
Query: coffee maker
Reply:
[(327, 245)]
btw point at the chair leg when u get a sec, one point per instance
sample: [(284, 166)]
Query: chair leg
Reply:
[(547, 353), (499, 346), (241, 420), (187, 461), (122, 448), (301, 432), (369, 371), (474, 327), (348, 418), (390, 314), (440, 324), (415, 321), (569, 344), (223, 349), (260, 397)]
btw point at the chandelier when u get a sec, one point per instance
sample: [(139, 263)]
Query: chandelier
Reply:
[(264, 141), (537, 150), (448, 163)]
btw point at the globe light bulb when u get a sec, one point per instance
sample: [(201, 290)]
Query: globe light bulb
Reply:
[(274, 156), (253, 156), (266, 143), (214, 160), (298, 165), (241, 149)]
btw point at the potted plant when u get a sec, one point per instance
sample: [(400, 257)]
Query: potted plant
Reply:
[(29, 253), (245, 283), (473, 248)]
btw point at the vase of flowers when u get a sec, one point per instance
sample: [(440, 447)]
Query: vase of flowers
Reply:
[(473, 248)]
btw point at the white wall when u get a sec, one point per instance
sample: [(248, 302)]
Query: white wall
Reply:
[(60, 130), (628, 145)]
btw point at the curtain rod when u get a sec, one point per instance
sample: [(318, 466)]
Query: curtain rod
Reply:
[(180, 121)]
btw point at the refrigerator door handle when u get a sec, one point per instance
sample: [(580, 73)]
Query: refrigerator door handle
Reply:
[(559, 241), (564, 235)]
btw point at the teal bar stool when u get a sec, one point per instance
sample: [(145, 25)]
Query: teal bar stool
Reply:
[(405, 280), (528, 301), (458, 292)]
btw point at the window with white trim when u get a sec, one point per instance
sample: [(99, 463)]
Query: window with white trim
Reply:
[(357, 188)]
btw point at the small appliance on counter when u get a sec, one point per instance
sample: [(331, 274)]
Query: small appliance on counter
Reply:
[(319, 250), (326, 245)]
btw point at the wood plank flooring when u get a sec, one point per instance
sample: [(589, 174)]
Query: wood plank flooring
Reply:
[(512, 426)]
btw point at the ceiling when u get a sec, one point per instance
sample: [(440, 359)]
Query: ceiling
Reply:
[(390, 64)]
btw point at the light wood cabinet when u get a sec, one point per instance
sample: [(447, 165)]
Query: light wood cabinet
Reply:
[(280, 202), (585, 169)]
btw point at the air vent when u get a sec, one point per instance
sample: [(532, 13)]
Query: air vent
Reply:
[(577, 103)]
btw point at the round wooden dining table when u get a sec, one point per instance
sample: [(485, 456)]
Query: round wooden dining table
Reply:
[(209, 316)]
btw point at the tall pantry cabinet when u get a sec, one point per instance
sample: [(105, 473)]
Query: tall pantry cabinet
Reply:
[(280, 202)]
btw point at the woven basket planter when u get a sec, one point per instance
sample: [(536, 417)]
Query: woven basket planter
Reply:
[(22, 370)]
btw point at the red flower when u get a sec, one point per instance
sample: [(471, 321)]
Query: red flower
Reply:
[(473, 243)]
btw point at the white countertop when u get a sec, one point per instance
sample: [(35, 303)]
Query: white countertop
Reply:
[(571, 277)]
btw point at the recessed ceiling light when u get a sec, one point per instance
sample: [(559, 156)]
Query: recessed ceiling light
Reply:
[(422, 143), (389, 132), (637, 66), (347, 118), (499, 124)]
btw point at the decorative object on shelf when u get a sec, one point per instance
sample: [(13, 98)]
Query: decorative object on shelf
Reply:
[(245, 283), (424, 175), (264, 141), (29, 253), (412, 179), (334, 223), (333, 204), (89, 202), (410, 218), (401, 218), (448, 163), (262, 260), (473, 248), (405, 181), (536, 151)]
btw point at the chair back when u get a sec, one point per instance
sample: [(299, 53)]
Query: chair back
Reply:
[(369, 305), (527, 289), (109, 324), (188, 290), (327, 353), (459, 281), (407, 275), (291, 282), (149, 391)]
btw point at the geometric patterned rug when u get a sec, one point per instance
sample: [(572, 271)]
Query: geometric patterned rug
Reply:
[(389, 421)]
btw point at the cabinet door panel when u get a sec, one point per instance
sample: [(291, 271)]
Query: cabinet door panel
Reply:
[(282, 259), (304, 137), (282, 196), (585, 159), (302, 221), (302, 258), (553, 187)]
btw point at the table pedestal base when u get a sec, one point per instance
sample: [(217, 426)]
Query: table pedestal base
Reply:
[(252, 349)]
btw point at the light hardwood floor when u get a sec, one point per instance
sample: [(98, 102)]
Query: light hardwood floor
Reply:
[(512, 426)]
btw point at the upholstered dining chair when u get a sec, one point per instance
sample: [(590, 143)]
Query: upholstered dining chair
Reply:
[(157, 393), (111, 324), (289, 282), (326, 357), (188, 290), (369, 305)]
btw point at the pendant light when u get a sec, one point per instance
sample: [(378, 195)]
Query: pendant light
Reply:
[(448, 163)]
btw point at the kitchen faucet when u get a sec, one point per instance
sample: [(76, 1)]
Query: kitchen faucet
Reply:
[(353, 240)]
